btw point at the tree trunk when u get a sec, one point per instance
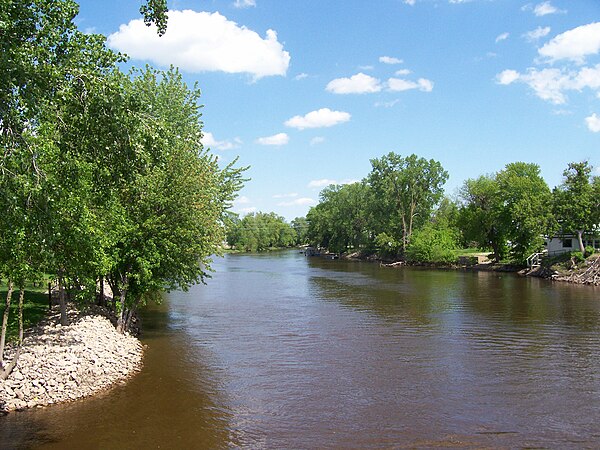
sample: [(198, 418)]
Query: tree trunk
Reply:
[(61, 299), (580, 241), (21, 298), (5, 322), (6, 371), (122, 320)]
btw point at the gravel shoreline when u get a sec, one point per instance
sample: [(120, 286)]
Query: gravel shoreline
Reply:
[(65, 363)]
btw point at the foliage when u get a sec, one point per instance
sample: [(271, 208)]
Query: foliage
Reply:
[(260, 231), (155, 12), (405, 190), (576, 203), (341, 219), (433, 243), (300, 226)]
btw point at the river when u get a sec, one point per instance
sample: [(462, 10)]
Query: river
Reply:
[(283, 351)]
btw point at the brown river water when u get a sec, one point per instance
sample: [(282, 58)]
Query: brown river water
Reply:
[(283, 351)]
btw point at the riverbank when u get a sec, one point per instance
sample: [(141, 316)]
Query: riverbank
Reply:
[(65, 363), (587, 272)]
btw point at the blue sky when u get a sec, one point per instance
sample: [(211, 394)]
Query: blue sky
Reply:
[(306, 92)]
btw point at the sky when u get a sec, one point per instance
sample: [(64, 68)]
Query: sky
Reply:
[(307, 92)]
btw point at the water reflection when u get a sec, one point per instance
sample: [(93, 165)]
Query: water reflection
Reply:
[(175, 402)]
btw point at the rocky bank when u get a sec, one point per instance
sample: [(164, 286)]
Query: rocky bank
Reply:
[(64, 363)]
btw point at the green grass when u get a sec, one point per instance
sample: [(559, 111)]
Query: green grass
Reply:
[(468, 251), (35, 307)]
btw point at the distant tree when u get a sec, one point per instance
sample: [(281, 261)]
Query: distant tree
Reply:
[(405, 190), (509, 211), (479, 215), (260, 231), (341, 220), (577, 201), (526, 213), (300, 226)]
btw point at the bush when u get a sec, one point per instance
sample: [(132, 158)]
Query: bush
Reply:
[(589, 250), (432, 244), (577, 257)]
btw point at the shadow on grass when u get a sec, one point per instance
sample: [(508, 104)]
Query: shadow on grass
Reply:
[(35, 308)]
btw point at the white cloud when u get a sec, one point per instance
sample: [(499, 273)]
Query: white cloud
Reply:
[(502, 37), (241, 200), (321, 183), (574, 44), (324, 182), (537, 34), (366, 67), (202, 42), (410, 2), (399, 84), (317, 140), (321, 118), (356, 84), (545, 8), (551, 84), (244, 3), (389, 104), (249, 210), (593, 123), (303, 201), (301, 76), (507, 77), (389, 60), (208, 140), (276, 139), (291, 195), (402, 72)]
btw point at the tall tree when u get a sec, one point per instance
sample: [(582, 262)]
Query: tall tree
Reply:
[(406, 189), (577, 201)]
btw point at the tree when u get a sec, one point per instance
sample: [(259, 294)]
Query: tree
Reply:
[(526, 212), (509, 211), (433, 243), (155, 12), (479, 215), (300, 226), (405, 192), (340, 220), (577, 201)]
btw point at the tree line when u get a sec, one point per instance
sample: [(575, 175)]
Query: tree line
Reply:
[(399, 211), (102, 173)]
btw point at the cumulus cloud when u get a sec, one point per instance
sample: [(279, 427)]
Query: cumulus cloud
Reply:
[(537, 34), (502, 37), (202, 42), (303, 201), (291, 195), (507, 77), (402, 72), (275, 140), (317, 140), (321, 183), (389, 60), (321, 118), (400, 84), (593, 124), (545, 8), (573, 44), (208, 140), (356, 84), (244, 3), (551, 84), (324, 182)]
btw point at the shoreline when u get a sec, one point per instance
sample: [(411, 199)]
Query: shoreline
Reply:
[(60, 364)]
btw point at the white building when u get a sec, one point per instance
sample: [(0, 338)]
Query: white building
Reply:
[(568, 243)]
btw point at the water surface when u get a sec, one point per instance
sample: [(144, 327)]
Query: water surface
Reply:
[(280, 351)]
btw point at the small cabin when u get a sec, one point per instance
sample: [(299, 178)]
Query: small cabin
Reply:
[(568, 243)]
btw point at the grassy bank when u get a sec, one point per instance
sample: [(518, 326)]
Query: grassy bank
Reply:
[(35, 307)]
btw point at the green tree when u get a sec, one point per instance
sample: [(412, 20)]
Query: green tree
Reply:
[(300, 226), (405, 191), (526, 213), (479, 215), (577, 201), (433, 243)]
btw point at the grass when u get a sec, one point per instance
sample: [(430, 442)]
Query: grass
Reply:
[(35, 308)]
